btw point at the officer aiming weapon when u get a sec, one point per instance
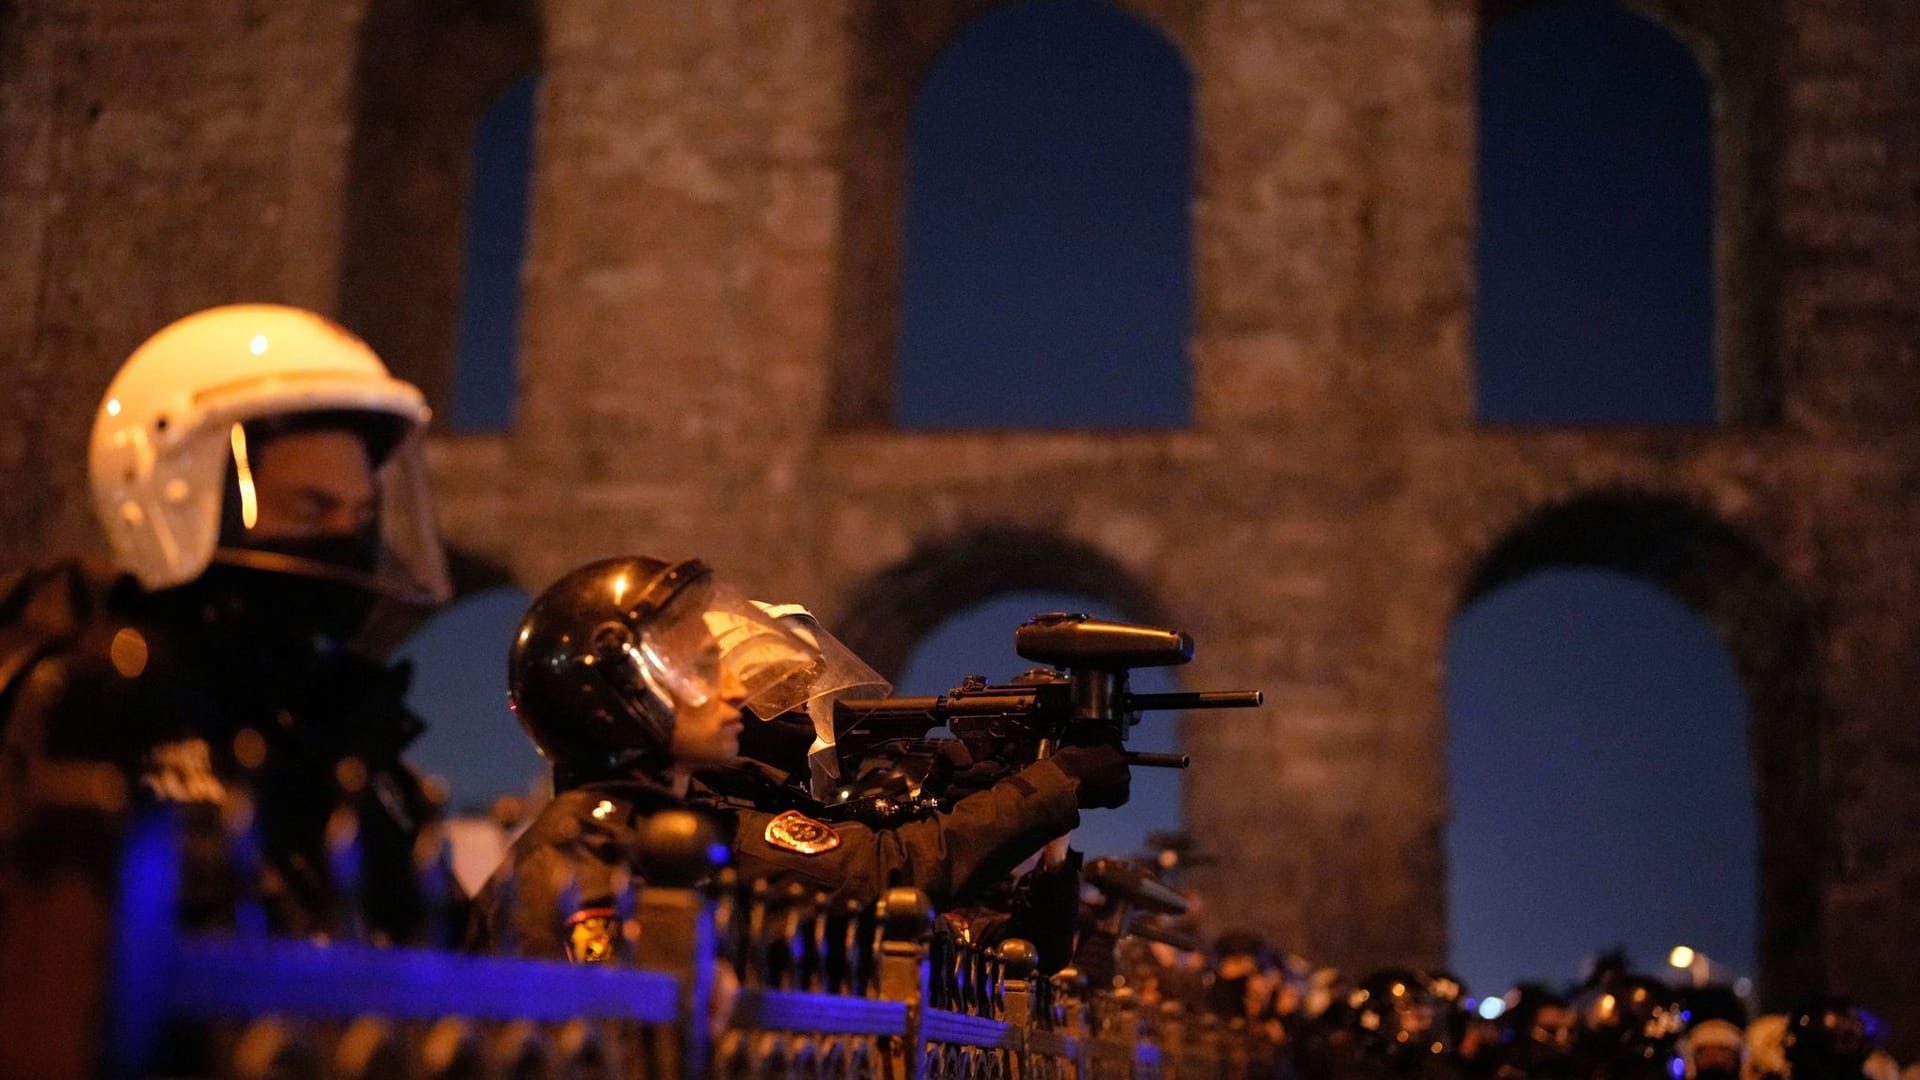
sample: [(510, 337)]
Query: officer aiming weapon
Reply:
[(1080, 698)]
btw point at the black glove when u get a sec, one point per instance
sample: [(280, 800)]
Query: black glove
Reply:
[(1103, 779)]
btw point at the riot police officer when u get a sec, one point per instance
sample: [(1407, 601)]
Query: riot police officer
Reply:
[(1826, 1038), (618, 674), (259, 477), (1399, 1027), (1628, 1026)]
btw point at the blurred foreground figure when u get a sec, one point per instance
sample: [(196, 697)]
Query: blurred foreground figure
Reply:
[(630, 676), (258, 475)]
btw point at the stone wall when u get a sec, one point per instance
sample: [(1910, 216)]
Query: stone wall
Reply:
[(710, 306)]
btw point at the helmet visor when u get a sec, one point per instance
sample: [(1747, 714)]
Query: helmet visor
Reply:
[(676, 654), (405, 561), (783, 662)]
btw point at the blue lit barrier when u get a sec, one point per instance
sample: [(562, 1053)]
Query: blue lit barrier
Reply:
[(215, 979), (741, 983)]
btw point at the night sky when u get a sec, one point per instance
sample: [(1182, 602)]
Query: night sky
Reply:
[(1600, 784)]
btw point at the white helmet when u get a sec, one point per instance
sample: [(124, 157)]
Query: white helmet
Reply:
[(168, 428)]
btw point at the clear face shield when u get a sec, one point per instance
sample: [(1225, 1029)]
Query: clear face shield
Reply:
[(800, 667), (677, 654), (294, 504), (784, 658)]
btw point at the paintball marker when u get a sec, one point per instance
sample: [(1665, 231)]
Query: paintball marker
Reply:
[(1080, 697)]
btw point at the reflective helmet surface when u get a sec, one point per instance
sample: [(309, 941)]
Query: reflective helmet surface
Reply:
[(1629, 1019), (1395, 1012), (608, 654), (578, 677), (166, 435), (1826, 1036)]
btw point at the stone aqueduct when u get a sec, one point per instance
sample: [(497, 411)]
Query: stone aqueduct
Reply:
[(711, 299)]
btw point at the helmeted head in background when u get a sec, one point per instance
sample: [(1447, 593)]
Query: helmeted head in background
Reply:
[(271, 441), (633, 665), (1714, 1050), (1826, 1038), (1396, 1014), (1628, 1021)]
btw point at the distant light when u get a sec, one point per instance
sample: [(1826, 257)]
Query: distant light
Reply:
[(1682, 957), (1491, 1008), (1678, 1068), (128, 652), (719, 854), (601, 811), (113, 406), (258, 346), (250, 748), (1743, 987)]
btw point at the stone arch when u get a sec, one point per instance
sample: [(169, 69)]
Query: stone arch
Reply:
[(423, 76), (884, 616), (893, 46), (1770, 630), (1049, 227), (1738, 48)]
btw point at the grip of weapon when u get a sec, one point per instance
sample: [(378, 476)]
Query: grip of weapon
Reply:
[(1158, 761)]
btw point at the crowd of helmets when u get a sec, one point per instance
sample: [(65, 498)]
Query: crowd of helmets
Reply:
[(1400, 1021)]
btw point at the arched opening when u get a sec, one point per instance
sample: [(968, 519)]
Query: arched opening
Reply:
[(486, 357), (1766, 631), (425, 76), (1016, 205), (1601, 788), (459, 659), (1595, 253), (889, 613), (950, 608)]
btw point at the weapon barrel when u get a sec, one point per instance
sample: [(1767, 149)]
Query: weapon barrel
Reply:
[(1215, 699), (1158, 761)]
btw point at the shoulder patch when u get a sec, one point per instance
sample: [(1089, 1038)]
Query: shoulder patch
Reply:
[(591, 935), (795, 831)]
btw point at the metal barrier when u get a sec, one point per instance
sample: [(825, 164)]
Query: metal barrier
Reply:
[(733, 981)]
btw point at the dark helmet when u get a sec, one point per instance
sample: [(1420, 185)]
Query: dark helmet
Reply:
[(591, 677), (1395, 1013), (1827, 1036), (1536, 1030), (1453, 998), (1627, 1020), (605, 656)]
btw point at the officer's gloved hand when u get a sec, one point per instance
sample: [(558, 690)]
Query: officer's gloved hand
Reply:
[(1104, 781)]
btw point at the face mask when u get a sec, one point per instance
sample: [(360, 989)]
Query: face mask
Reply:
[(357, 553), (326, 589)]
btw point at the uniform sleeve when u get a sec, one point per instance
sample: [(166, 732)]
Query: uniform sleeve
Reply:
[(948, 856), (559, 877)]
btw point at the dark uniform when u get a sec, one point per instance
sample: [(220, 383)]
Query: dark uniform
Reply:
[(272, 750), (556, 896)]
